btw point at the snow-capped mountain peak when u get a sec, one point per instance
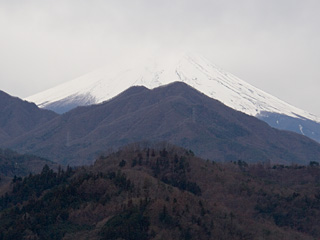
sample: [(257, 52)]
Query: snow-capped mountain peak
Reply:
[(105, 83)]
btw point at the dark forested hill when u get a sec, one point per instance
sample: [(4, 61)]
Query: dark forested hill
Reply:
[(175, 113), (164, 192), (14, 164), (18, 117)]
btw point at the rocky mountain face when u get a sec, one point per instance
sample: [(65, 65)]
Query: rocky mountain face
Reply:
[(176, 113)]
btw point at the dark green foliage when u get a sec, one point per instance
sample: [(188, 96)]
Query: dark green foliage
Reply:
[(289, 210), (314, 164), (190, 152), (134, 162), (242, 163), (122, 163), (39, 216), (179, 176), (48, 198), (181, 183), (34, 185), (129, 225), (165, 217), (164, 153), (120, 180)]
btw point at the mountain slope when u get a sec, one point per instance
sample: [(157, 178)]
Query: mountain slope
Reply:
[(176, 113), (106, 83), (18, 117), (302, 126), (196, 71)]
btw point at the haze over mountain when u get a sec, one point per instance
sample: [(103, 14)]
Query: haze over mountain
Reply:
[(176, 113), (196, 71)]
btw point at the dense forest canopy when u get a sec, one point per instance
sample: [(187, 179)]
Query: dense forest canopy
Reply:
[(164, 192)]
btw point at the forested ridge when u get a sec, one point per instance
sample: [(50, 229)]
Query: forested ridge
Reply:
[(164, 192), (15, 164)]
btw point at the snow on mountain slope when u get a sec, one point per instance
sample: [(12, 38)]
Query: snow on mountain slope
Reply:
[(196, 71)]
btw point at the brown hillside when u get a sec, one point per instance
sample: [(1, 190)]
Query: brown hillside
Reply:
[(164, 192)]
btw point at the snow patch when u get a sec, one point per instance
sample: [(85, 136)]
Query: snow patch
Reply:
[(301, 129)]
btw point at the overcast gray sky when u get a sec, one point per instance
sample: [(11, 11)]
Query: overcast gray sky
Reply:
[(272, 44)]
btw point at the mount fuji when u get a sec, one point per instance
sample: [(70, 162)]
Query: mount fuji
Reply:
[(106, 83)]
